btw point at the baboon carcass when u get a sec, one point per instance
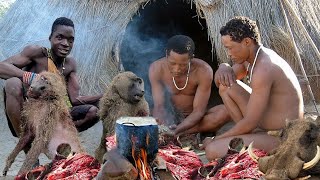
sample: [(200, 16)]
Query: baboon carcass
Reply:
[(298, 154), (123, 97), (46, 121)]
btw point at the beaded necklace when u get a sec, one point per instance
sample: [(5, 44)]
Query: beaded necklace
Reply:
[(254, 63), (185, 84)]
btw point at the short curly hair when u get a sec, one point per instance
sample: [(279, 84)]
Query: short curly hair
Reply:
[(241, 27), (180, 44), (62, 21)]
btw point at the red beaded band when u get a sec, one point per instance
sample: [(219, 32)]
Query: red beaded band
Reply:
[(28, 77)]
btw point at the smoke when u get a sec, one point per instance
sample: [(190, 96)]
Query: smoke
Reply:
[(143, 44), (146, 37)]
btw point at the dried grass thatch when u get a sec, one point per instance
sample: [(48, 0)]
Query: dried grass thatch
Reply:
[(275, 20), (4, 6), (98, 25), (272, 23)]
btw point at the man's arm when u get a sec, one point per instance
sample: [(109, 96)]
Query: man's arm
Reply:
[(227, 75), (200, 101), (157, 89), (11, 67), (73, 89), (258, 103), (240, 70)]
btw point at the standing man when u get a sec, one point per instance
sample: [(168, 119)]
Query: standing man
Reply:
[(272, 97), (19, 71), (187, 81)]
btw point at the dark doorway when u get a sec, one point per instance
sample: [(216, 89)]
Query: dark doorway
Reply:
[(147, 34)]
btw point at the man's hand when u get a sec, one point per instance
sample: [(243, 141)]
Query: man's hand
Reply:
[(173, 126), (28, 77), (225, 75), (177, 133), (206, 142), (160, 121), (165, 130)]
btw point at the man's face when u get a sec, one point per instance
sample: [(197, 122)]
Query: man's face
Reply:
[(178, 63), (238, 52), (62, 40)]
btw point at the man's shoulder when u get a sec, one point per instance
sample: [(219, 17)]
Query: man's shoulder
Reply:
[(269, 63), (71, 64), (71, 59), (156, 70), (158, 61), (266, 71), (201, 63), (156, 65), (202, 66), (33, 51)]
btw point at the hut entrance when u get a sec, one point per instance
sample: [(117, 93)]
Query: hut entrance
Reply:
[(147, 34)]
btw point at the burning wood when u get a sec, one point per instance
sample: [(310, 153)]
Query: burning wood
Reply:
[(143, 131), (136, 142), (117, 167), (140, 160), (171, 161)]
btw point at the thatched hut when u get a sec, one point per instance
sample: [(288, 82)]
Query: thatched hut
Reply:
[(129, 34)]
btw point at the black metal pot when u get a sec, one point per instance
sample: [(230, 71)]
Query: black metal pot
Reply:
[(137, 133)]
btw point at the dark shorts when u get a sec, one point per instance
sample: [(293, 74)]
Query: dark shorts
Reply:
[(79, 112)]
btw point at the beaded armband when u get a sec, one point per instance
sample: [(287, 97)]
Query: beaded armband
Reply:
[(28, 77)]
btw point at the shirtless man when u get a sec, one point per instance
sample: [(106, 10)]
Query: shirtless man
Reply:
[(20, 69), (188, 82), (273, 94)]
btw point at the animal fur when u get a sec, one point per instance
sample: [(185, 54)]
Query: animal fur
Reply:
[(120, 100), (47, 122), (298, 142)]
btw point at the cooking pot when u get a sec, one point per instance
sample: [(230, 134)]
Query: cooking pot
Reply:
[(137, 133)]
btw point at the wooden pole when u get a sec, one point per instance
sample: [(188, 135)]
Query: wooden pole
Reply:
[(313, 45), (298, 55)]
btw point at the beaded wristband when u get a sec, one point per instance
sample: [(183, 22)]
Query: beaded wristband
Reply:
[(28, 77)]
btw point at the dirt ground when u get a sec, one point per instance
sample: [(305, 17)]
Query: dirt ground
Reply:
[(90, 140)]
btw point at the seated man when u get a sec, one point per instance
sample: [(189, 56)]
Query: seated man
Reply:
[(187, 80), (273, 95), (20, 69)]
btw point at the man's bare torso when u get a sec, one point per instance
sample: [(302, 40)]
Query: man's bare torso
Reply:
[(182, 100), (285, 100), (40, 63)]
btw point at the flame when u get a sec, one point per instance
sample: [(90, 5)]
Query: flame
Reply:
[(147, 139), (140, 159)]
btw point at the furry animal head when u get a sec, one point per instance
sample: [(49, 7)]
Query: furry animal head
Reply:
[(129, 86), (298, 153), (47, 86)]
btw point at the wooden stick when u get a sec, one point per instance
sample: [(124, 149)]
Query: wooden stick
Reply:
[(298, 55), (303, 28)]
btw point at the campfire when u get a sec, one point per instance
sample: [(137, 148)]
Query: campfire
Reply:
[(133, 154), (137, 141), (140, 160)]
